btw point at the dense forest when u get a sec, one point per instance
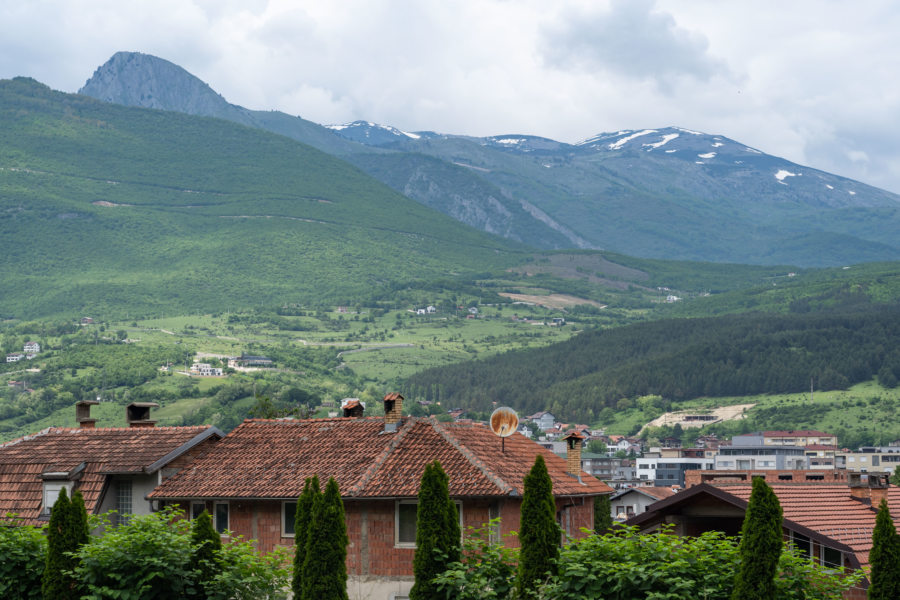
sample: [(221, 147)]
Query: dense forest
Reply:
[(678, 359)]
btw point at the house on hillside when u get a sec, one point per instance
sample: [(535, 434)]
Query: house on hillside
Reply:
[(115, 468), (205, 370), (544, 420), (831, 522), (14, 357), (248, 360), (31, 348), (253, 477)]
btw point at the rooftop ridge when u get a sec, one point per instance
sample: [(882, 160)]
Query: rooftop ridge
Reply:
[(25, 438), (469, 455), (291, 420), (366, 477)]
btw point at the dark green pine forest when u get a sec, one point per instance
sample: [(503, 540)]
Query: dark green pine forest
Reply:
[(680, 359)]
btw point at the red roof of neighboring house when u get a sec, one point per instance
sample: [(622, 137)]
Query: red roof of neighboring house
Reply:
[(271, 459), (829, 510), (653, 491), (101, 452), (822, 509)]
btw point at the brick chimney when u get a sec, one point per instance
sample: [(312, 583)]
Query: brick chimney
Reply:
[(83, 414), (137, 414), (393, 411), (871, 487), (352, 407), (573, 441)]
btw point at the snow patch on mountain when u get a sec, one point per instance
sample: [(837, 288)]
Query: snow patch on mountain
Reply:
[(665, 140), (619, 143), (707, 155)]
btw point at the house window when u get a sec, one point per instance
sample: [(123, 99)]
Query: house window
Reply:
[(51, 493), (405, 522), (288, 512), (801, 542), (197, 508), (831, 558), (123, 502), (221, 517)]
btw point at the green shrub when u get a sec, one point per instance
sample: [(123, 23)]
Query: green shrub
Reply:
[(24, 550)]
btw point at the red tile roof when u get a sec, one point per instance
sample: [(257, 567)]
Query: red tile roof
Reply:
[(102, 451), (272, 458), (829, 510)]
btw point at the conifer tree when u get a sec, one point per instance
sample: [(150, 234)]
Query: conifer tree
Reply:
[(325, 566), (602, 514), (302, 518), (61, 538), (884, 580), (761, 545), (437, 532), (539, 534), (206, 547)]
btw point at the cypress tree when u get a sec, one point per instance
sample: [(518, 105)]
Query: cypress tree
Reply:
[(602, 514), (761, 545), (539, 534), (302, 518), (206, 548), (884, 579), (56, 585), (437, 532), (325, 563)]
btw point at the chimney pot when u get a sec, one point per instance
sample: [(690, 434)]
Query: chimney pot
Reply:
[(137, 414), (573, 453), (393, 411), (83, 414)]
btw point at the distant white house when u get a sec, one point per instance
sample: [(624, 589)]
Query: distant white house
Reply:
[(31, 348), (473, 311), (14, 357), (206, 370), (672, 298), (430, 309)]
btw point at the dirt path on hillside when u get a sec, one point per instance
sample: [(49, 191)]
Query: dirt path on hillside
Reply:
[(552, 300)]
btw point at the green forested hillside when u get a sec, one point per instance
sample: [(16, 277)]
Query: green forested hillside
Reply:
[(680, 359), (119, 211)]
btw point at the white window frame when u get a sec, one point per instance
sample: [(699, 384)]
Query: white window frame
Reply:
[(191, 506), (397, 503), (54, 487), (284, 504), (216, 517)]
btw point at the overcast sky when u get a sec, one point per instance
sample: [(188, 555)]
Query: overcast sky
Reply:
[(814, 81)]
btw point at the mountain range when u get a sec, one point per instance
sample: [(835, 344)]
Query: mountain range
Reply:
[(664, 192), (113, 210)]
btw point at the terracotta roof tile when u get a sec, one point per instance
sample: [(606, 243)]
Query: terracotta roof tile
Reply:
[(829, 510), (103, 451), (271, 459)]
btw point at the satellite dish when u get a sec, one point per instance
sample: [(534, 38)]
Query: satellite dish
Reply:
[(504, 421)]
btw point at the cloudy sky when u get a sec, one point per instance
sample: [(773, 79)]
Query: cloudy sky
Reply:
[(814, 81)]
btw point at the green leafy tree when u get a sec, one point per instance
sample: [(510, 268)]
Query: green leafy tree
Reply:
[(324, 566), (302, 518), (206, 550), (63, 536), (539, 535), (884, 557), (761, 545), (437, 532), (895, 477), (24, 551), (602, 514)]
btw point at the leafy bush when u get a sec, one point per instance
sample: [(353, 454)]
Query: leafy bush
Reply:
[(628, 566), (23, 549), (150, 558)]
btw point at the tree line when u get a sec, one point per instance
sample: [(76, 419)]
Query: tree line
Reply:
[(680, 359)]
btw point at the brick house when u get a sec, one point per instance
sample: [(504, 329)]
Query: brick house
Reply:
[(831, 522), (252, 478), (115, 468)]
